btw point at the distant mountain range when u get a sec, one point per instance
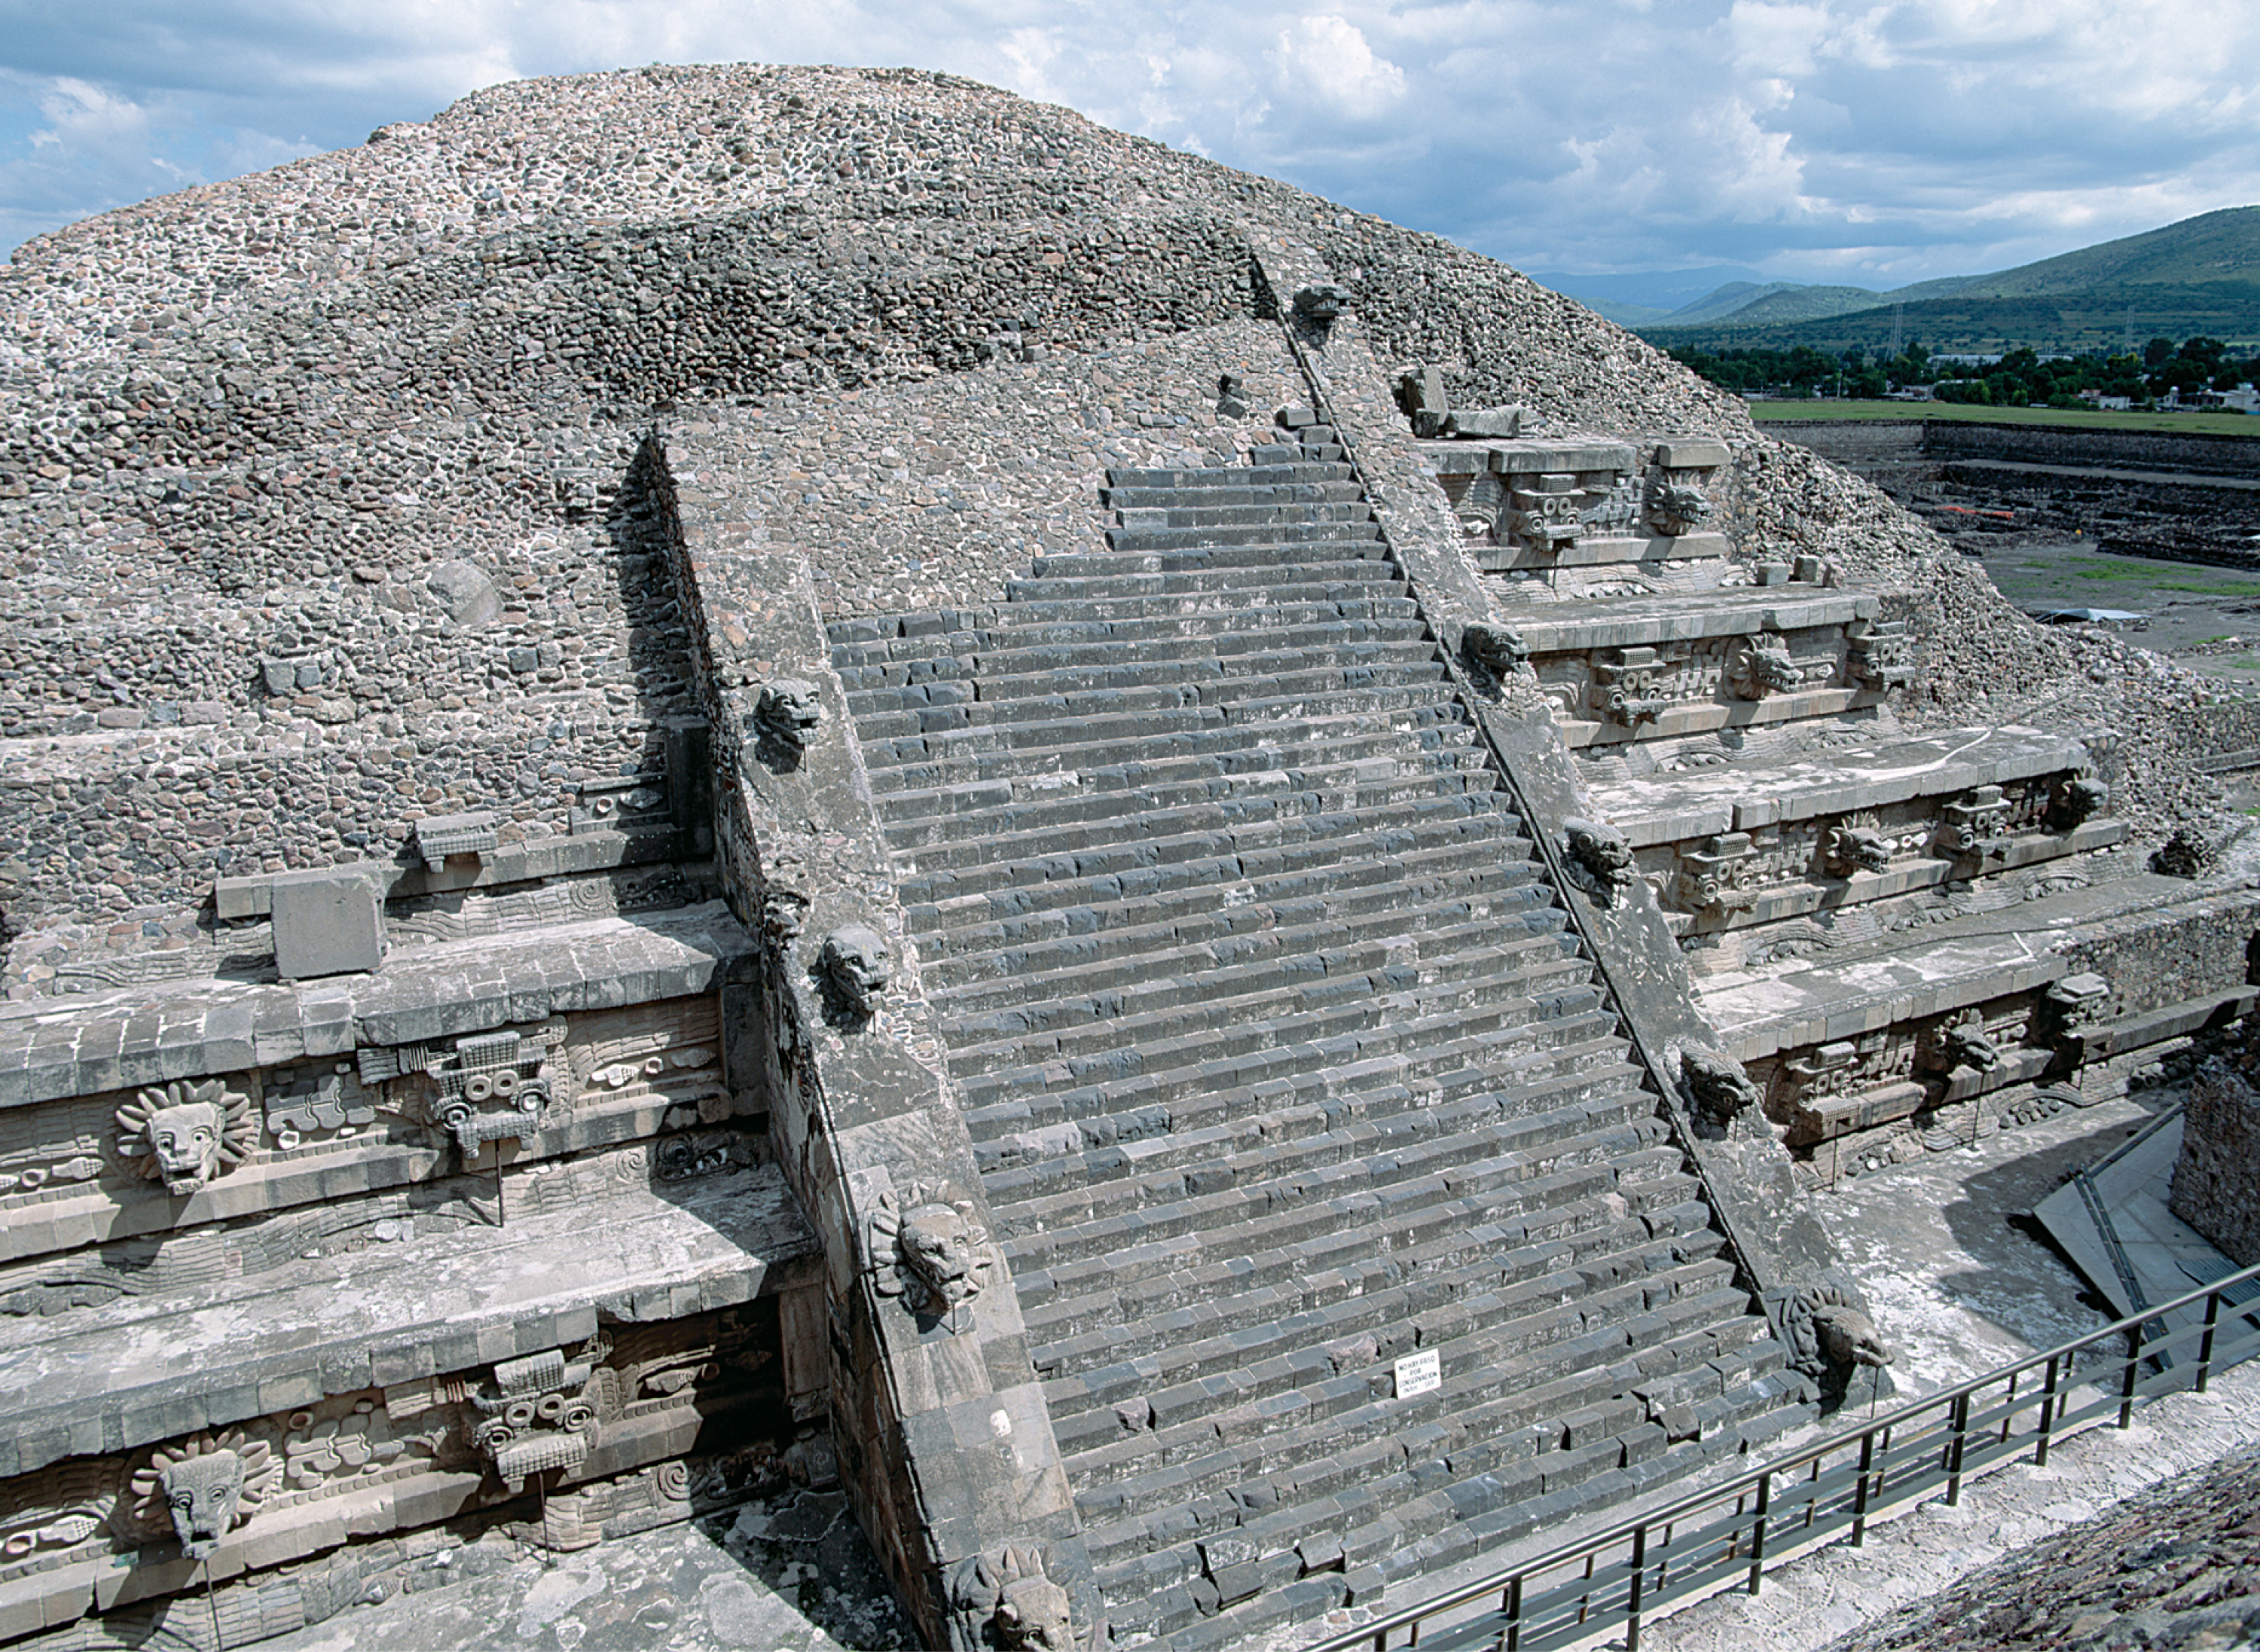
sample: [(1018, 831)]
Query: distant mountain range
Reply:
[(2199, 276)]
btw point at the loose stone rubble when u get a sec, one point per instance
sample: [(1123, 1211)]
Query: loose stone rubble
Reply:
[(706, 771)]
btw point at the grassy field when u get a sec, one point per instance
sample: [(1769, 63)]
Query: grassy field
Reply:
[(2194, 424)]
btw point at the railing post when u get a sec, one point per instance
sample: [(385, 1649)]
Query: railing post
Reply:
[(2127, 1382), (1758, 1530), (1514, 1614), (2048, 1412), (1632, 1602), (2205, 1346), (1955, 1449), (1860, 1495)]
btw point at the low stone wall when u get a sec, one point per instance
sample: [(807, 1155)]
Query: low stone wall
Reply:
[(2069, 445), (2217, 1181), (944, 1442)]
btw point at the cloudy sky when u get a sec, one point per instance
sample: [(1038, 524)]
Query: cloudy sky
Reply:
[(1873, 141)]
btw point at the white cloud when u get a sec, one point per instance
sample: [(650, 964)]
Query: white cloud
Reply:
[(1875, 141), (1327, 58)]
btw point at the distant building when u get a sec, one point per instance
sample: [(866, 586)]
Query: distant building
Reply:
[(2242, 399)]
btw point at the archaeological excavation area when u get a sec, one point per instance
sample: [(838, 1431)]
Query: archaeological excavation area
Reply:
[(724, 779)]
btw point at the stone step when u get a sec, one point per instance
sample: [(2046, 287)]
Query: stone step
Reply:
[(933, 905), (999, 652), (1372, 1170), (952, 756), (1391, 1114), (1427, 1496), (1230, 497), (1538, 1072), (1181, 512), (1122, 716), (1439, 1048), (1327, 569), (1267, 473), (1576, 1071), (1228, 1368), (1362, 598), (1106, 959), (1334, 1004), (1431, 1260), (1571, 1381), (1055, 940), (1236, 826), (1104, 690), (1125, 672), (1036, 624), (1316, 765), (1435, 1260), (1369, 785), (1158, 552), (886, 639), (1373, 959), (1120, 1216), (1314, 540)]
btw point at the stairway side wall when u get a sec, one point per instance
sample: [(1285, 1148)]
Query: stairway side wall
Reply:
[(943, 1438), (1748, 1174)]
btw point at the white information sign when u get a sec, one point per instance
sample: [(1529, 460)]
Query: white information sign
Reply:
[(1417, 1373)]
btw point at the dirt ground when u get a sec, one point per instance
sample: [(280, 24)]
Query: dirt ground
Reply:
[(2206, 618)]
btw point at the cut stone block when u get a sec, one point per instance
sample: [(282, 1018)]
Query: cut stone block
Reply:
[(1692, 455), (326, 923)]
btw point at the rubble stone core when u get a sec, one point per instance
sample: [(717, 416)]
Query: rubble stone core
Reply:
[(714, 777)]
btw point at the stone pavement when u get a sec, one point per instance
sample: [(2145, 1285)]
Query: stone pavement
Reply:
[(788, 1573)]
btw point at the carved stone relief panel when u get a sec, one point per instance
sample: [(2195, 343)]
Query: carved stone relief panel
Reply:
[(470, 914), (1635, 684), (620, 803), (670, 1051), (109, 1169), (543, 1414), (1879, 655), (1720, 877), (1674, 494), (46, 1517)]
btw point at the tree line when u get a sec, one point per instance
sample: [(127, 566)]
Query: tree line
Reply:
[(2020, 378)]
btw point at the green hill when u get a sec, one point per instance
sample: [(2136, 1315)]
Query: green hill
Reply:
[(1793, 304), (2212, 248), (2199, 276), (2071, 323)]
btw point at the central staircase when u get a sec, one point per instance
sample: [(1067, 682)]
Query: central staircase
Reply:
[(1283, 1065)]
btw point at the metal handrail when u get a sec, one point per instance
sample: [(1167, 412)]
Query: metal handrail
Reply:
[(1939, 1427)]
